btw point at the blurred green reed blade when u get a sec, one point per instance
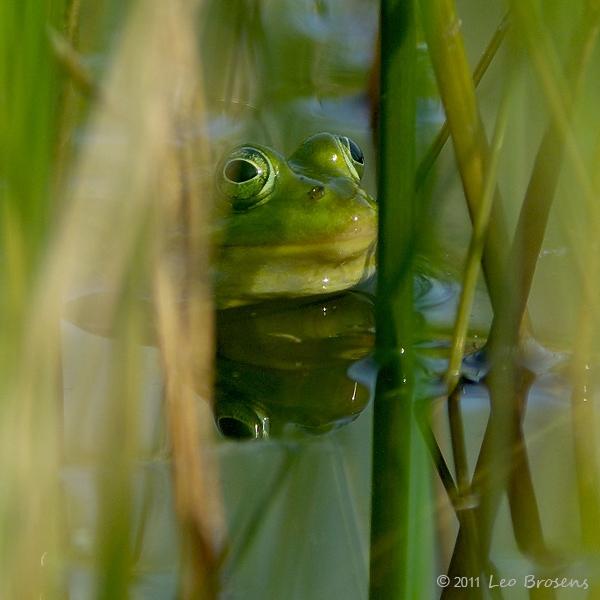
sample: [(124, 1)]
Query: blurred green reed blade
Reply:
[(555, 86), (29, 378), (28, 96), (130, 152), (115, 477), (457, 91), (561, 95), (400, 466)]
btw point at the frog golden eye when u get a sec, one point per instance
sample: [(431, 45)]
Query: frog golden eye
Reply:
[(246, 177), (355, 159)]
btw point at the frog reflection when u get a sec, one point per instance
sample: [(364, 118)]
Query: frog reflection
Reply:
[(282, 367)]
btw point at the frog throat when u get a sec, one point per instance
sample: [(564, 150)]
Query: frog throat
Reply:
[(254, 273)]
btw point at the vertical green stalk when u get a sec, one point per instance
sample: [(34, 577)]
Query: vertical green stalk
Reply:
[(427, 162), (29, 444), (476, 245), (457, 91), (391, 491), (471, 561), (584, 418), (114, 477)]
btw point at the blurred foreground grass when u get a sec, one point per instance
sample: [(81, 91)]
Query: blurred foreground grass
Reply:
[(104, 219)]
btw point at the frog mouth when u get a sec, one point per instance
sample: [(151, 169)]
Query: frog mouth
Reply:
[(339, 248), (247, 274)]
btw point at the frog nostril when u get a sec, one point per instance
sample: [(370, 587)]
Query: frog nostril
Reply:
[(240, 170), (316, 192)]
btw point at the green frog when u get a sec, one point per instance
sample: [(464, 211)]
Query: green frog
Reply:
[(294, 236), (295, 227)]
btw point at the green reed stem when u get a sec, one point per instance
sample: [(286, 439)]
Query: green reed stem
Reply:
[(29, 418), (467, 515), (390, 567), (423, 418), (476, 246), (457, 91), (427, 162), (583, 409)]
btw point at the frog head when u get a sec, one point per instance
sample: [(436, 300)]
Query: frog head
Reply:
[(294, 227)]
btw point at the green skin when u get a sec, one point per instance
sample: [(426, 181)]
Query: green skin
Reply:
[(296, 227)]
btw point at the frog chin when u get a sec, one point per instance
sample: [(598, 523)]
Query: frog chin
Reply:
[(246, 275)]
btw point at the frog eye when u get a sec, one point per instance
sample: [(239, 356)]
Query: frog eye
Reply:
[(246, 177), (355, 159)]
